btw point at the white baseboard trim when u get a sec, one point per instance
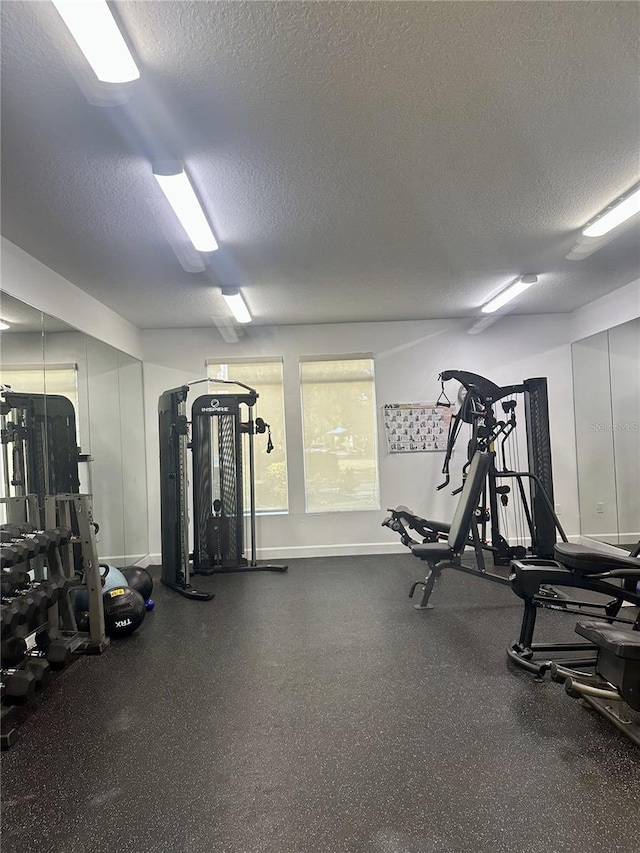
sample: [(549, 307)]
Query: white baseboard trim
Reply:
[(302, 551), (126, 560), (351, 549), (146, 561)]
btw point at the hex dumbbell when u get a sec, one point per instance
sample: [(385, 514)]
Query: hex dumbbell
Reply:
[(14, 579), (10, 620), (18, 685), (13, 651), (24, 605), (56, 652)]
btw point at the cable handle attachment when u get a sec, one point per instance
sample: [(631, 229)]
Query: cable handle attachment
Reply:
[(443, 394)]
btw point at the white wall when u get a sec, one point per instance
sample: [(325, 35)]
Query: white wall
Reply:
[(624, 357), (594, 440), (606, 375), (32, 282), (408, 358), (611, 310)]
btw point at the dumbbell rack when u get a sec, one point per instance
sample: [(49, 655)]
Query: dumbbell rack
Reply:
[(74, 511), (49, 556)]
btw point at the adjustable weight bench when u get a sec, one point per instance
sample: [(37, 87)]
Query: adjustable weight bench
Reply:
[(430, 530), (448, 554), (536, 582)]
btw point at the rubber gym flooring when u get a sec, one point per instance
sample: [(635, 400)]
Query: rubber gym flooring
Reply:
[(318, 712)]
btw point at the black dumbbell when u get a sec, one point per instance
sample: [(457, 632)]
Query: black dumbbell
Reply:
[(40, 669), (36, 542), (59, 535), (17, 530), (14, 650), (24, 605), (41, 597), (14, 579), (14, 553), (56, 652), (10, 620), (18, 685)]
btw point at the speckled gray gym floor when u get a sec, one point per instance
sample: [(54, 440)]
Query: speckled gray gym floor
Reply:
[(318, 712)]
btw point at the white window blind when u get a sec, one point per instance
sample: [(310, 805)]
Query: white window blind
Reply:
[(265, 375), (34, 379), (339, 433)]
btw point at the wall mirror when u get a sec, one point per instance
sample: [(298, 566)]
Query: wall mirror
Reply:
[(78, 382), (606, 387)]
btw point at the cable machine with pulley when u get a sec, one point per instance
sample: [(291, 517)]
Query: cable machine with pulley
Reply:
[(534, 513), (222, 427)]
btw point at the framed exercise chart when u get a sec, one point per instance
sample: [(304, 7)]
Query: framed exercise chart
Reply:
[(416, 427)]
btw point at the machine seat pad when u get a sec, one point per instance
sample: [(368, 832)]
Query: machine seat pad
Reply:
[(432, 551), (586, 561), (620, 642)]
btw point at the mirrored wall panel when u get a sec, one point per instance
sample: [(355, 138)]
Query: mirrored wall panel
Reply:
[(73, 421), (606, 382)]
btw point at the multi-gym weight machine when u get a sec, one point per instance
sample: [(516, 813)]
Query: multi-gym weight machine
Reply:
[(495, 433), (221, 429)]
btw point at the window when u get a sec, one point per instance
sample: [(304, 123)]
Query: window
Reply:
[(339, 433), (270, 468), (35, 379)]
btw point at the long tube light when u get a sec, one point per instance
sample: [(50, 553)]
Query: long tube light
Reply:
[(234, 300), (4, 326), (619, 213), (92, 25), (519, 286), (182, 198)]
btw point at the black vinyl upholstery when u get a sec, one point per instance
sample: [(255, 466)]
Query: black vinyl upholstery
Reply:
[(586, 561), (462, 517), (618, 641)]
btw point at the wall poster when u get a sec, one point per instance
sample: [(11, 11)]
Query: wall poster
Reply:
[(416, 427)]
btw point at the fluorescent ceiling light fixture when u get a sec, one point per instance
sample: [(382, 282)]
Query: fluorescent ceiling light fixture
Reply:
[(519, 286), (234, 300), (4, 326), (93, 27), (619, 213), (185, 204)]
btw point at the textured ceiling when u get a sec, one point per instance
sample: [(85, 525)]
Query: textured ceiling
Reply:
[(359, 161)]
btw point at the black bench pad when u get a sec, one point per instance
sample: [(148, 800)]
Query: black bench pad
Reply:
[(432, 551), (618, 641), (589, 562)]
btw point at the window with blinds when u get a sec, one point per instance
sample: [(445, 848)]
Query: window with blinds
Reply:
[(34, 379), (270, 468), (339, 433)]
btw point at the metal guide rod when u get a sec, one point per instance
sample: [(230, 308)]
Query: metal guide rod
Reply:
[(252, 491), (184, 498)]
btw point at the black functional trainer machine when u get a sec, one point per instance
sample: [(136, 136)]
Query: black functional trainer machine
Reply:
[(38, 431), (217, 431)]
